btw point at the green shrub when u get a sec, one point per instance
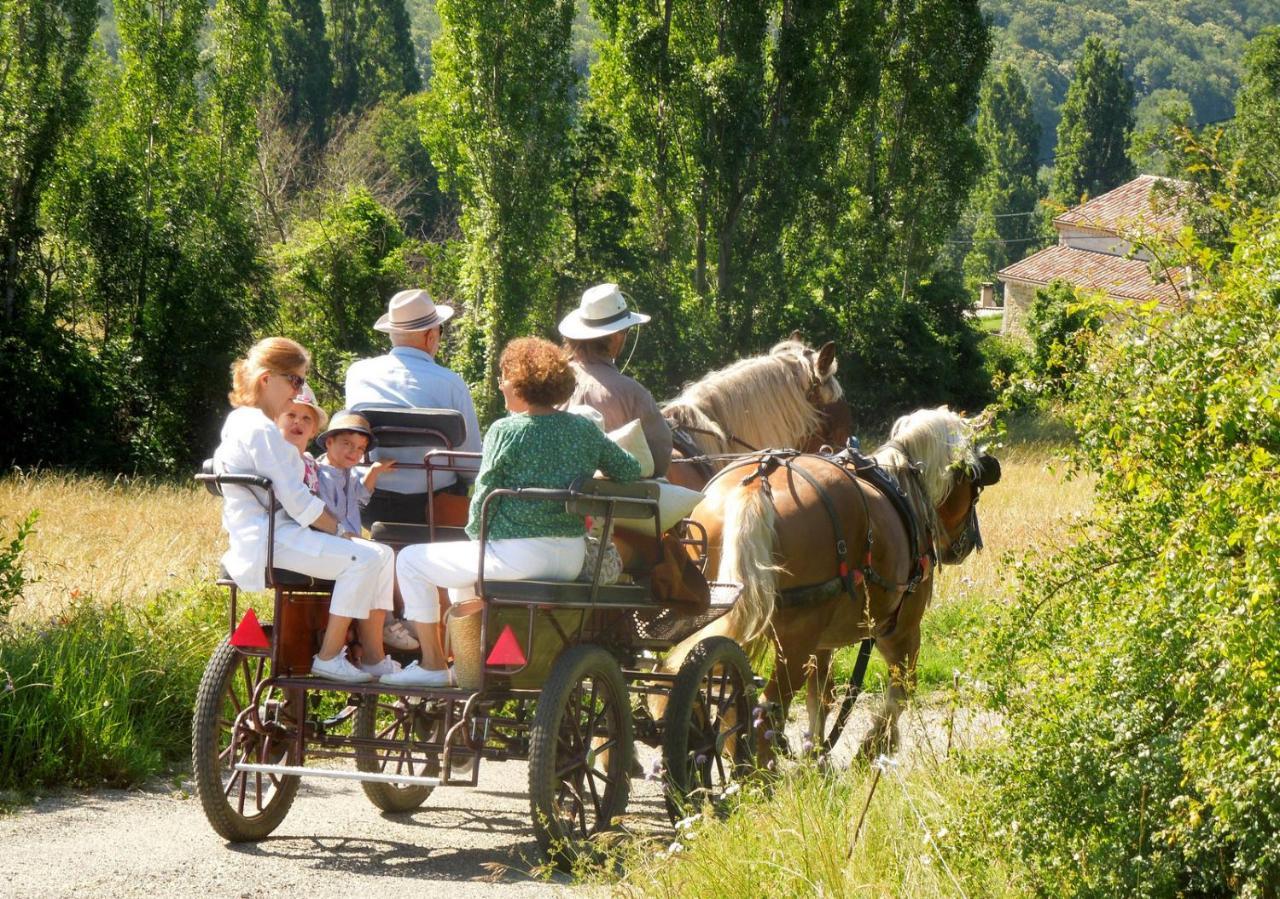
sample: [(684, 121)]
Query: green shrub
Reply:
[(1139, 670), (103, 694), (1061, 324), (13, 574)]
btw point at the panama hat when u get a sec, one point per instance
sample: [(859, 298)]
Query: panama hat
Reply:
[(307, 397), (412, 310), (603, 310), (348, 421)]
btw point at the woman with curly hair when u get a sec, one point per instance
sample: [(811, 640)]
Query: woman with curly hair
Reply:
[(536, 446)]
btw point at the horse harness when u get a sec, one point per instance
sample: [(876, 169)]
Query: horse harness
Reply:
[(857, 467), (864, 468)]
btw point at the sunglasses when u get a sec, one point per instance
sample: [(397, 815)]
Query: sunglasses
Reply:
[(297, 382)]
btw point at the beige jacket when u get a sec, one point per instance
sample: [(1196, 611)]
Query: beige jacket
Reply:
[(621, 399)]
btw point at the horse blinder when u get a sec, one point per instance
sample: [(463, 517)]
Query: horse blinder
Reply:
[(988, 471)]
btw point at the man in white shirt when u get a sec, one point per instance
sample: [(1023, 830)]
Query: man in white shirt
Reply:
[(409, 377)]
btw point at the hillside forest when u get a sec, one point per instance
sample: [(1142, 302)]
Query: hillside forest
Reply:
[(182, 176)]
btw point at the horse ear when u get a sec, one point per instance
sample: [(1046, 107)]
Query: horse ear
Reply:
[(796, 336), (826, 359)]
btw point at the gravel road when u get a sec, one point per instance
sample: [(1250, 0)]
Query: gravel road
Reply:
[(334, 843)]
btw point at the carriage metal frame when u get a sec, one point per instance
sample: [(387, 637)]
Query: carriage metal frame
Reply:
[(572, 710)]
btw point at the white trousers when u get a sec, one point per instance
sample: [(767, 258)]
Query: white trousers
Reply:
[(456, 564), (363, 572)]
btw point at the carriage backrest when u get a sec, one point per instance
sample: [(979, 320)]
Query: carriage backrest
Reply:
[(395, 426), (594, 496)]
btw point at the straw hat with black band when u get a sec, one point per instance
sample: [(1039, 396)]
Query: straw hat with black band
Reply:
[(412, 310), (602, 311)]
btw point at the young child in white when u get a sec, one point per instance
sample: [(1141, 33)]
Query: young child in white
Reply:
[(344, 492), (299, 422)]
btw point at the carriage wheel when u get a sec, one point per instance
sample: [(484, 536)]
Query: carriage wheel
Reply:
[(707, 744), (579, 753), (240, 806), (395, 721)]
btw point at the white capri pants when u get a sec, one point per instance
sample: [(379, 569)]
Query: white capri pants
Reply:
[(455, 565), (363, 572)]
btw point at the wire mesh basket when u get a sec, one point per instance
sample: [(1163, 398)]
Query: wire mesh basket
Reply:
[(671, 625)]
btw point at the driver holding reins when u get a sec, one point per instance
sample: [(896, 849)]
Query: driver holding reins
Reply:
[(595, 334)]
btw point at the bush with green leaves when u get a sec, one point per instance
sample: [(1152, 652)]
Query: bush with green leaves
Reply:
[(1138, 671), (13, 573), (1060, 323)]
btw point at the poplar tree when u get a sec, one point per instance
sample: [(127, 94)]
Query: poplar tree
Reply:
[(1256, 127), (1006, 197), (1097, 118), (301, 65), (497, 124), (373, 55), (42, 97)]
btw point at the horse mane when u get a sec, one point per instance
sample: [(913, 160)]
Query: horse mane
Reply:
[(939, 442), (762, 401)]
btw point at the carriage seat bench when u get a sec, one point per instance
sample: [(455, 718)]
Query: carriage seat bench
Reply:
[(281, 577)]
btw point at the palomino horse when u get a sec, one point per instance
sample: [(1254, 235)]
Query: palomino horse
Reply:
[(776, 524), (788, 397)]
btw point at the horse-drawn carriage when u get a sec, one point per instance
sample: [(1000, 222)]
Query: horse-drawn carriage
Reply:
[(562, 676), (570, 674)]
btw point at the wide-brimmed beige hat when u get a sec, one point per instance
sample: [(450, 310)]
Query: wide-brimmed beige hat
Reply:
[(603, 310), (412, 310)]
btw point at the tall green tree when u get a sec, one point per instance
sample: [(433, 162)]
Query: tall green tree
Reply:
[(155, 202), (1256, 129), (1097, 118), (301, 65), (373, 53), (42, 97), (498, 126), (1005, 199)]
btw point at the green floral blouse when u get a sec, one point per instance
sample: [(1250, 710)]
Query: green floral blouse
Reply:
[(549, 451)]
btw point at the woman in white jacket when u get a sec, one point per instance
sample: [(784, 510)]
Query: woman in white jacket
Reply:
[(306, 534)]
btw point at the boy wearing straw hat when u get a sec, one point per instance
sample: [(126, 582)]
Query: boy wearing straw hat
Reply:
[(594, 334)]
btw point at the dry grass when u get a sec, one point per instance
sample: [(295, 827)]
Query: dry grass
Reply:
[(122, 539), (127, 539), (1033, 507)]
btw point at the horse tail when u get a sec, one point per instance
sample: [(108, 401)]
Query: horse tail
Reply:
[(746, 558)]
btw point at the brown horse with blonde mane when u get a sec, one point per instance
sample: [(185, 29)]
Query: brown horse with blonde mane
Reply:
[(777, 523), (789, 397)]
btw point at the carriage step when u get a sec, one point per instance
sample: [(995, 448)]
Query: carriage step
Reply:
[(338, 774)]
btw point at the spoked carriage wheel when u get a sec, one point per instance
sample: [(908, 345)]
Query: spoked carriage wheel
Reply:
[(579, 753), (387, 718), (239, 805), (707, 743)]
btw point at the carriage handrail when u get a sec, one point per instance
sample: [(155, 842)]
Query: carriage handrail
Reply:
[(249, 480), (546, 494)]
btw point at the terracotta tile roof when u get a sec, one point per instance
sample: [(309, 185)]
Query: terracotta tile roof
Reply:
[(1115, 275), (1129, 206)]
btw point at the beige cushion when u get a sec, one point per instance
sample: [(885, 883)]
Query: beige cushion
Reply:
[(674, 502), (631, 438), (590, 413)]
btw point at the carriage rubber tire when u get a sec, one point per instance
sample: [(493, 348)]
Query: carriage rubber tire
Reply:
[(225, 820), (387, 797), (686, 690), (574, 665)]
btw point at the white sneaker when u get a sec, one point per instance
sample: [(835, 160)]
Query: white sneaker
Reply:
[(379, 669), (417, 676), (396, 636), (339, 668)]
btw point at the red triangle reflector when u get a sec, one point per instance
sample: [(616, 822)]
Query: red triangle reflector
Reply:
[(249, 633), (507, 650)]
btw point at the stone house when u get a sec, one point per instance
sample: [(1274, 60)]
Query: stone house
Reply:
[(1091, 253)]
